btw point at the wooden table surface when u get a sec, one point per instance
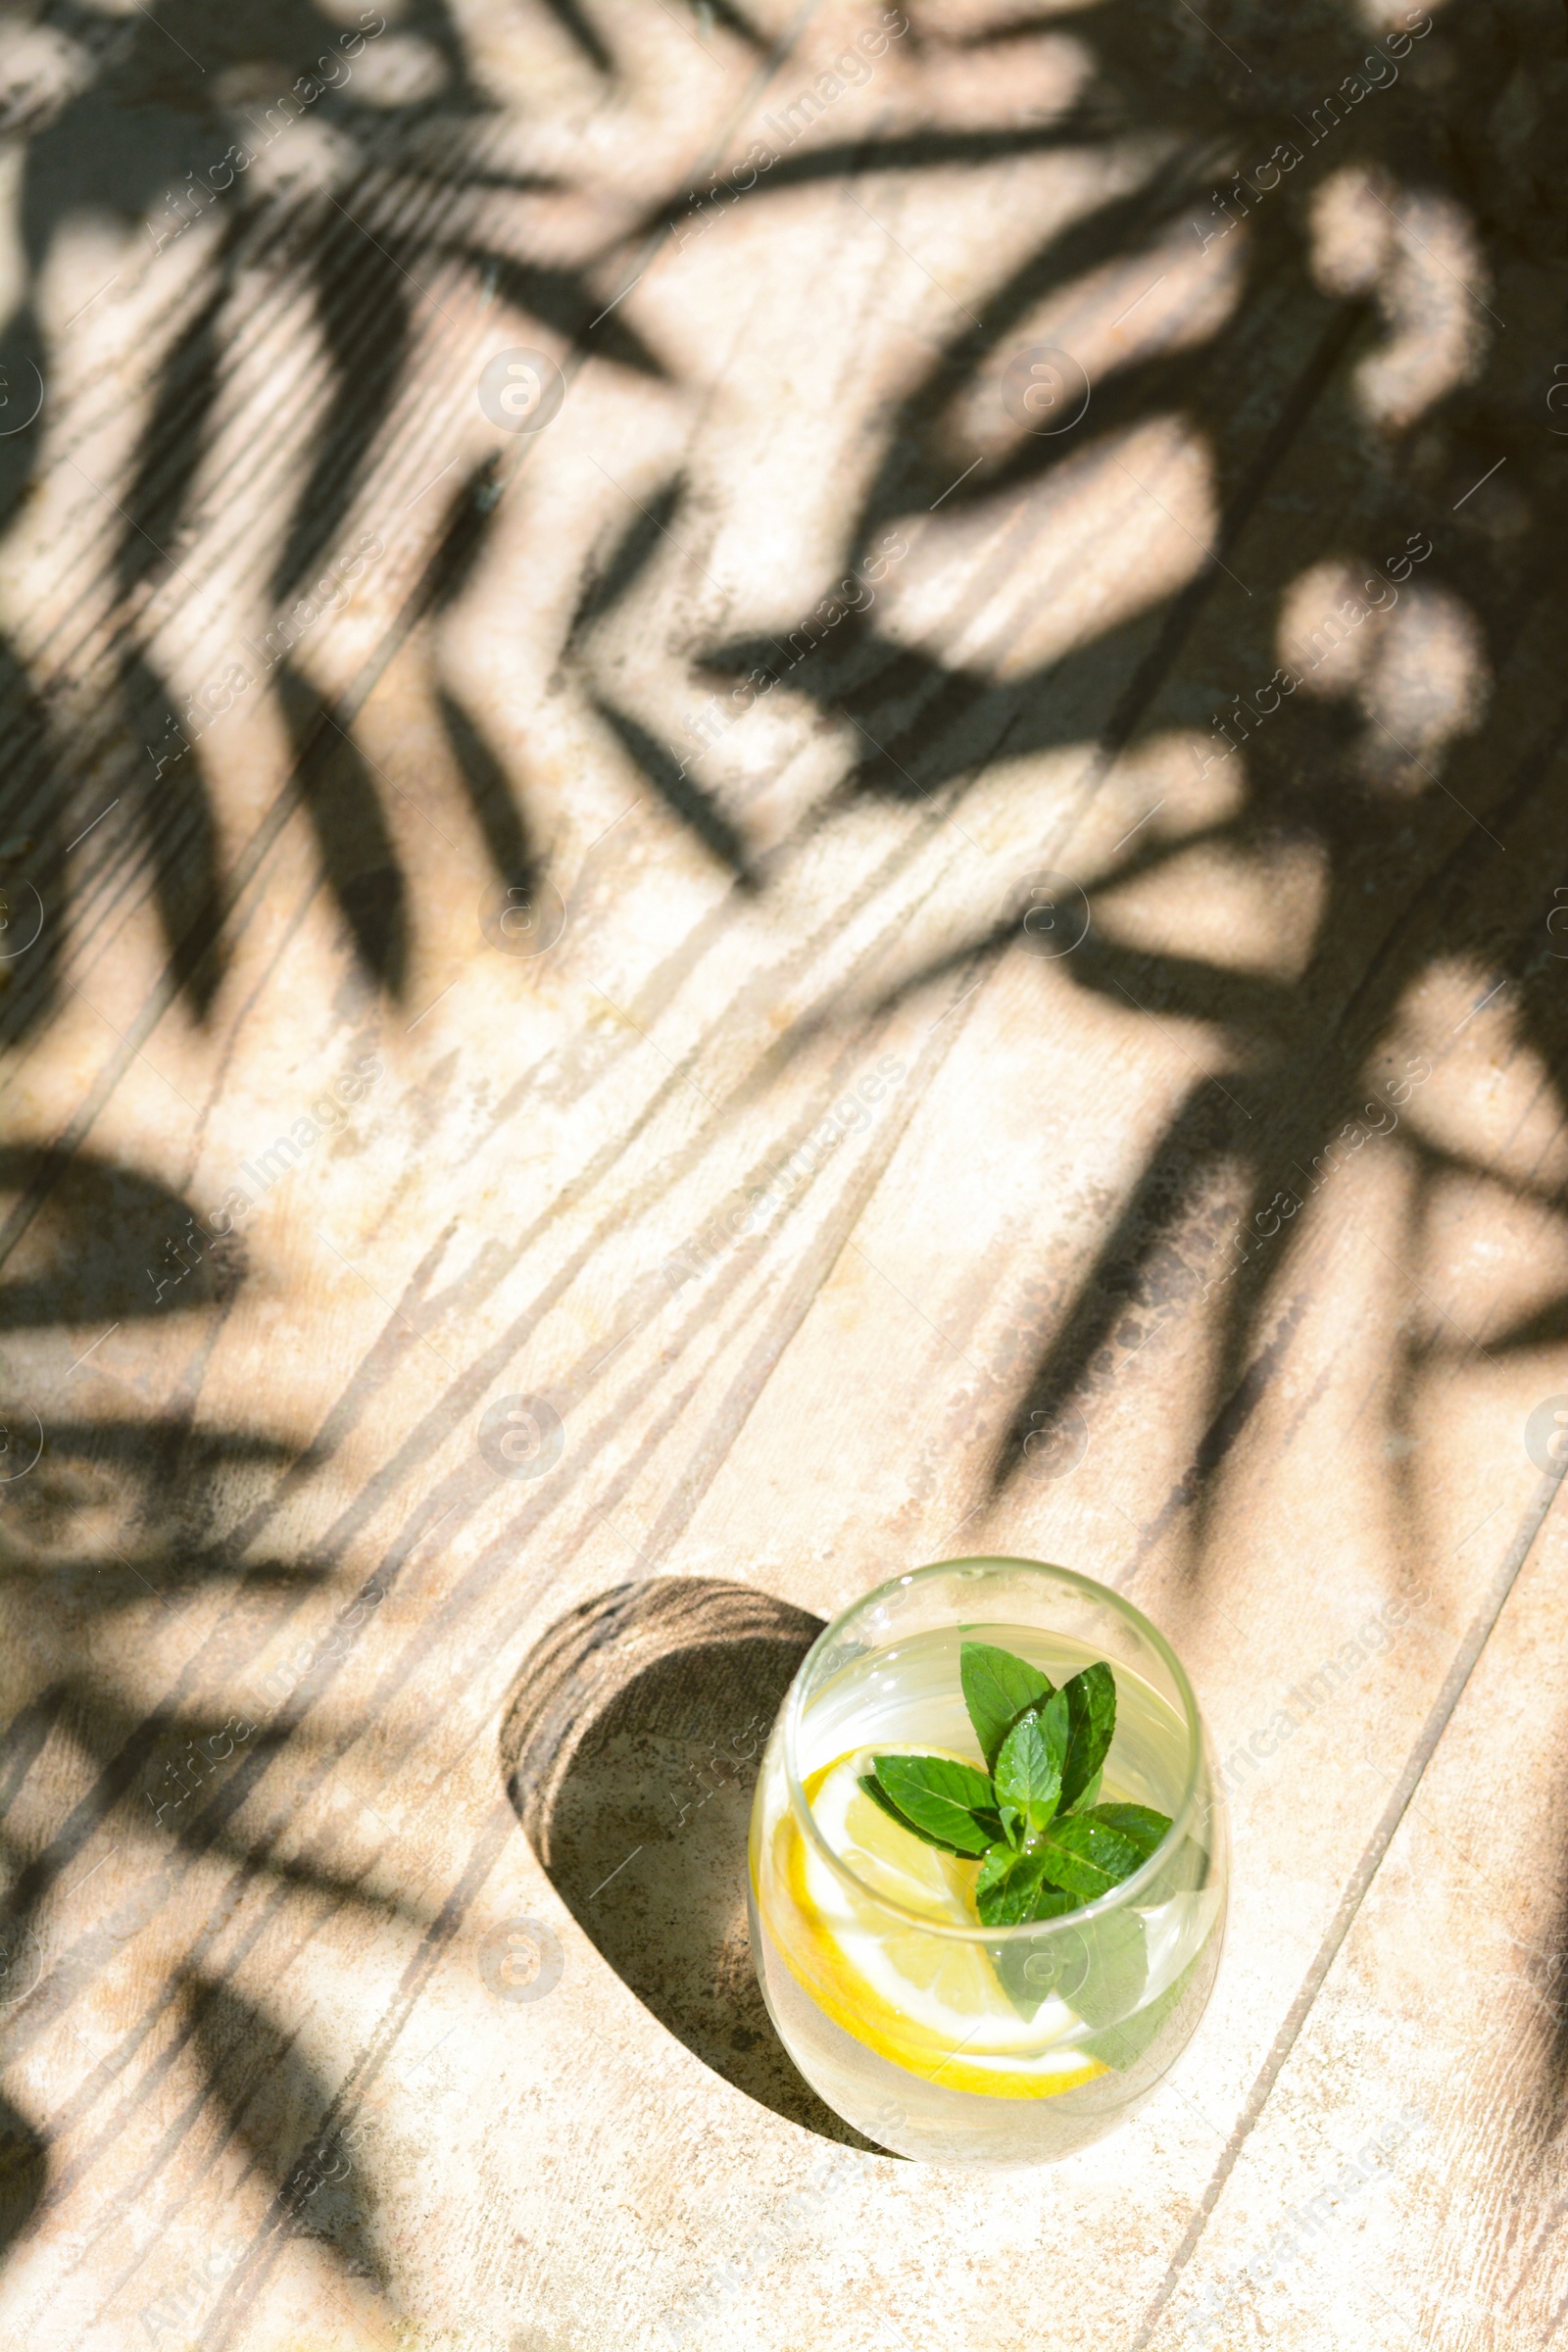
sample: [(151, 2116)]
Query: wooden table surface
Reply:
[(641, 993)]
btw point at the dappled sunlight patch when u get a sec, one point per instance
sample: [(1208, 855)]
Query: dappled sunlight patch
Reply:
[(1019, 579), (1410, 654), (1151, 803), (1381, 16), (984, 19), (313, 159), (1426, 681), (1166, 296), (1195, 794), (1418, 252), (1350, 229), (1499, 1261), (1036, 74), (1171, 296), (404, 70), (902, 71), (780, 762), (45, 68), (1252, 910), (1159, 794), (1493, 1105), (1328, 626), (1432, 297)]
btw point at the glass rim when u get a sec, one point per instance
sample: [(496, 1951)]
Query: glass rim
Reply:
[(1102, 1904)]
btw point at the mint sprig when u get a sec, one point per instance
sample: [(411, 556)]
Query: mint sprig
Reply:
[(1044, 1845)]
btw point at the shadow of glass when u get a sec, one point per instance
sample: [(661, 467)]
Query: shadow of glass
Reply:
[(630, 1748)]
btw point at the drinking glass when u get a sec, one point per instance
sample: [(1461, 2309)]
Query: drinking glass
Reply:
[(936, 2036)]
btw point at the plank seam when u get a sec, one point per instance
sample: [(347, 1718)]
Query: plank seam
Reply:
[(1439, 1715)]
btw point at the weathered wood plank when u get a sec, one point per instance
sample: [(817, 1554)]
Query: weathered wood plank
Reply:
[(986, 1187)]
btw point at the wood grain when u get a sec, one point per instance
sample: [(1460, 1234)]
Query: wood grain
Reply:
[(818, 1220)]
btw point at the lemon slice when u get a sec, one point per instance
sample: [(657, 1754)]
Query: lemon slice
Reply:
[(930, 2003)]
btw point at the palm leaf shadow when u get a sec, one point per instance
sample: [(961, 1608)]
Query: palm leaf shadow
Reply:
[(566, 304), (105, 1239), (32, 977), (1139, 1271), (925, 698), (24, 2172), (157, 1484), (575, 21), (362, 257), (497, 809), (172, 804), (681, 793), (608, 591), (276, 2106), (362, 299), (359, 857)]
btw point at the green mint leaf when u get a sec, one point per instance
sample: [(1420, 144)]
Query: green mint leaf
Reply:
[(1012, 1888), (1092, 1722), (935, 1795), (879, 1796), (1139, 1823), (1028, 1773), (998, 1688), (1085, 1856)]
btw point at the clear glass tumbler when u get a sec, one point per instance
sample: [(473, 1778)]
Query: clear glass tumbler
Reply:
[(938, 2038)]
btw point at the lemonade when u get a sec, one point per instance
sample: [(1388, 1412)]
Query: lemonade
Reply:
[(937, 2036)]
